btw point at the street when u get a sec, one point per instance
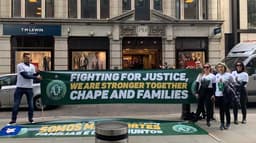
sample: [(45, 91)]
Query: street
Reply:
[(105, 110)]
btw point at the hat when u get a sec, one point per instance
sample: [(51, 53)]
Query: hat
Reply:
[(223, 64)]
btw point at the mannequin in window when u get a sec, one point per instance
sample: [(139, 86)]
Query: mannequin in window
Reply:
[(97, 63), (84, 62), (46, 63)]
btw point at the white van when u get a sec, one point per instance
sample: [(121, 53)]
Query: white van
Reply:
[(246, 53)]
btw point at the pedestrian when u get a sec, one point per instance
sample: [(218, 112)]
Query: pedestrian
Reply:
[(25, 74), (223, 99), (205, 85), (241, 79)]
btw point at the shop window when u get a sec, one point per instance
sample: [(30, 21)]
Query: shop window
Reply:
[(190, 9), (40, 59), (40, 48), (104, 9), (188, 59), (251, 14), (191, 50), (16, 8), (33, 8), (72, 8), (88, 60), (126, 5), (88, 8), (49, 8), (158, 5)]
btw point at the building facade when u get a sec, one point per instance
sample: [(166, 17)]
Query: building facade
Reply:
[(111, 34)]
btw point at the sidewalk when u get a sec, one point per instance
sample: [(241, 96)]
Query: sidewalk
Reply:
[(241, 133)]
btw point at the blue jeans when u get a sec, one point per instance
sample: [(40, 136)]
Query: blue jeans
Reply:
[(19, 92)]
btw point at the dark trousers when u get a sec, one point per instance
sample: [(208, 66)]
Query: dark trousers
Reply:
[(243, 103), (205, 101), (19, 92), (224, 107)]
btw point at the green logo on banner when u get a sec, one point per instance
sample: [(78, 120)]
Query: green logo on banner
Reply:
[(56, 90), (184, 129)]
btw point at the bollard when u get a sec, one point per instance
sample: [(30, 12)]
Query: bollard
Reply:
[(111, 132)]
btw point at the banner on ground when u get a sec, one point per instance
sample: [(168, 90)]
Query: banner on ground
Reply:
[(97, 87), (86, 128)]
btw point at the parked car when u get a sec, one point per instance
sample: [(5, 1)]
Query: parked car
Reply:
[(7, 89)]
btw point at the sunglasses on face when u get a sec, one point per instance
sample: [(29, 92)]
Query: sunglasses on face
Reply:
[(238, 65), (206, 67)]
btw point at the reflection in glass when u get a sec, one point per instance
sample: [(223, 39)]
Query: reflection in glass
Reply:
[(158, 5), (104, 9), (72, 8), (88, 8), (191, 9), (16, 8), (88, 60), (126, 5), (49, 8), (33, 8), (251, 14)]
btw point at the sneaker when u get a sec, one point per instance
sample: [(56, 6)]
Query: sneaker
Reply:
[(236, 122), (227, 126), (31, 122), (11, 123), (244, 122), (221, 127)]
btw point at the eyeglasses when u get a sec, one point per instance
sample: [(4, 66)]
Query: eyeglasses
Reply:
[(206, 67)]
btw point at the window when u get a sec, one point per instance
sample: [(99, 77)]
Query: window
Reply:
[(251, 14), (177, 9), (126, 5), (88, 8), (33, 8), (190, 9), (158, 5), (251, 67), (16, 8), (72, 8), (49, 8), (104, 9), (205, 9)]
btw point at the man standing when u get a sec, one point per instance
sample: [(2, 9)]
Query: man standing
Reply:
[(25, 74)]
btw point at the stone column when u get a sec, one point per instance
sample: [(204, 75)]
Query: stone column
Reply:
[(5, 8), (216, 52), (61, 9), (5, 54), (61, 53), (115, 55)]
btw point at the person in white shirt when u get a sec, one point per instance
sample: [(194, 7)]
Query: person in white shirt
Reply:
[(25, 74), (241, 78), (224, 101), (205, 85)]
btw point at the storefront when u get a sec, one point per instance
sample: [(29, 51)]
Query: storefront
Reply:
[(191, 50), (37, 40), (141, 52), (88, 53)]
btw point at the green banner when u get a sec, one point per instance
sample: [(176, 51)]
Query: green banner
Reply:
[(96, 87), (86, 128)]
